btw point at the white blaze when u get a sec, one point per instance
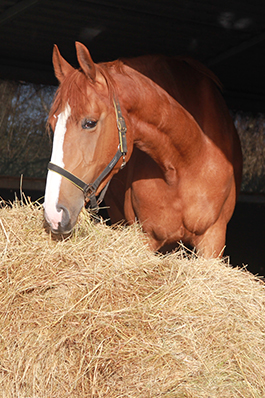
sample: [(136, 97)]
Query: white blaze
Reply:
[(53, 181)]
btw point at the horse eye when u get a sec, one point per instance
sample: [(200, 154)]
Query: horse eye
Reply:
[(89, 124)]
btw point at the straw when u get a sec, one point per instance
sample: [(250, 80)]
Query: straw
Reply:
[(99, 315)]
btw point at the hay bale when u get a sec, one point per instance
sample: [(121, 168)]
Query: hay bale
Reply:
[(99, 315), (251, 131)]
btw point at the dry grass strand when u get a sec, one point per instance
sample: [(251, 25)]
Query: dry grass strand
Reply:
[(99, 315)]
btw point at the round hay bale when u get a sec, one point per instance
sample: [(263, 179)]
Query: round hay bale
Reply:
[(99, 315)]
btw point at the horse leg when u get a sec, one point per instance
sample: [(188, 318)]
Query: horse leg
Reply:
[(212, 243)]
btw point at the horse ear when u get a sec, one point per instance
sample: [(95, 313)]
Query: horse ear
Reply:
[(60, 65), (85, 61)]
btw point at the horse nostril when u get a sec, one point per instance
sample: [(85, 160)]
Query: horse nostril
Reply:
[(64, 225)]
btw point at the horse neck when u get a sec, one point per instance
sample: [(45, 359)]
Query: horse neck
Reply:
[(161, 127)]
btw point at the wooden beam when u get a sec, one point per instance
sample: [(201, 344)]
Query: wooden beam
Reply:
[(28, 72), (236, 50), (246, 197), (249, 102), (14, 11), (26, 183)]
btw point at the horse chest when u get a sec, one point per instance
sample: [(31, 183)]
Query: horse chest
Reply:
[(166, 215), (159, 212)]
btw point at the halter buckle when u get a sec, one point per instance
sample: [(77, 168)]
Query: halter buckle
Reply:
[(89, 190), (123, 162)]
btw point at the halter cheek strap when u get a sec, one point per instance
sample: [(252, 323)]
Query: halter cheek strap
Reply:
[(89, 190)]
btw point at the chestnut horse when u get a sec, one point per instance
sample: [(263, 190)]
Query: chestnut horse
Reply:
[(181, 150)]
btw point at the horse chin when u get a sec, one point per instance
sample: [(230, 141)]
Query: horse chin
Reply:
[(59, 231), (64, 227), (64, 233)]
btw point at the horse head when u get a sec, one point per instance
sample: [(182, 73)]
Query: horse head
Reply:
[(87, 145)]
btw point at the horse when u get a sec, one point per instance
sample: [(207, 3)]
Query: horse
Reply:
[(152, 133)]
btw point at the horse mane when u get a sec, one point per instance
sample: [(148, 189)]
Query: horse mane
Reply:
[(197, 65), (73, 89), (154, 66)]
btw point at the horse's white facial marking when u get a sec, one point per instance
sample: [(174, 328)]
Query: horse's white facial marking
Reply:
[(53, 181)]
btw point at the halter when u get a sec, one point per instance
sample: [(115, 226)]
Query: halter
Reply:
[(89, 190)]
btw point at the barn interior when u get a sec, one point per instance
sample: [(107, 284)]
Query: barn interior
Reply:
[(226, 35)]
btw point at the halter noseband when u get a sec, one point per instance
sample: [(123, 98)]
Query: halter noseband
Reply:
[(89, 190)]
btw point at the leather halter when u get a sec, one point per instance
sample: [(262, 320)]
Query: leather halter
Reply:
[(89, 190)]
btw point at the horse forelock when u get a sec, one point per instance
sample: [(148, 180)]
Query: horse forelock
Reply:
[(73, 91)]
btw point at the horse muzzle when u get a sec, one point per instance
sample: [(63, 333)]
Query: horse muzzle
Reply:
[(59, 221)]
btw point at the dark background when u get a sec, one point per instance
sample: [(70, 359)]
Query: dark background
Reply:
[(226, 35)]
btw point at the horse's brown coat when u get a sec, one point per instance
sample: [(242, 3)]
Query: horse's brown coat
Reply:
[(184, 158)]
